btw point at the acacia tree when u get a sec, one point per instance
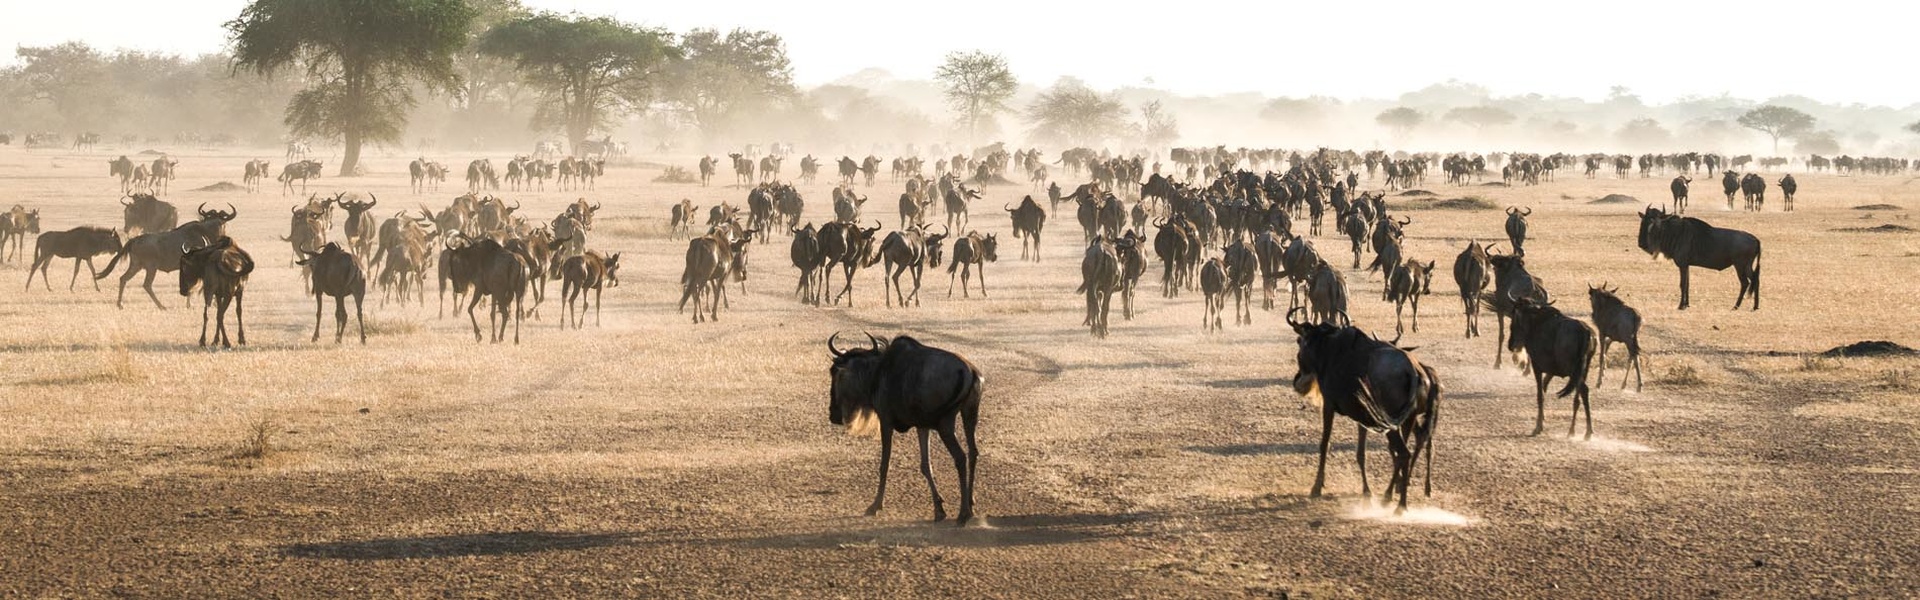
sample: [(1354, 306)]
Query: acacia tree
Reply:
[(977, 87), (73, 79), (360, 56), (1071, 114), (725, 77), (590, 70), (1914, 127), (1401, 121), (1480, 117), (1158, 129), (1777, 122), (1644, 134)]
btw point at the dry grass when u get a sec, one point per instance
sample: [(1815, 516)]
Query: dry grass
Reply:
[(256, 440), (1682, 372), (1897, 379), (675, 175), (1814, 363), (390, 326)]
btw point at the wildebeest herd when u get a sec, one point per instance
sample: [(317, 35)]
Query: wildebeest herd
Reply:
[(1228, 224)]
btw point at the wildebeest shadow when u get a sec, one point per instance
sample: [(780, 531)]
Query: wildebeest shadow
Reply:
[(1246, 384), (1253, 449), (998, 531)]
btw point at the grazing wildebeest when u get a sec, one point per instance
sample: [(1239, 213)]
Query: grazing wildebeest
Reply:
[(336, 273), (972, 252), (1472, 273), (1213, 291), (1028, 219), (1380, 386), (900, 385), (79, 244), (682, 220), (807, 257), (909, 250), (220, 269), (302, 170), (1754, 191), (15, 226), (148, 214), (1099, 279), (1691, 242), (1406, 284), (480, 175), (1517, 229), (1557, 346), (587, 271), (1327, 294), (161, 251), (1679, 186), (1615, 321), (256, 172), (956, 205), (1787, 187), (1510, 280), (1730, 183)]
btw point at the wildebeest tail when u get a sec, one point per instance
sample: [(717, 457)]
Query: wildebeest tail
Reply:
[(1579, 378), (108, 270)]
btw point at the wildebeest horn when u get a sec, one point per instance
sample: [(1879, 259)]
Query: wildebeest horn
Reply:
[(1004, 207), (1526, 212), (232, 212), (1345, 321), (832, 350), (202, 210), (376, 199), (124, 202), (876, 341)]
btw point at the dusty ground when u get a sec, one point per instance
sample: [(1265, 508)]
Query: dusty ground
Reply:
[(652, 456)]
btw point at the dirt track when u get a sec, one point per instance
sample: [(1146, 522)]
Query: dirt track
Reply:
[(655, 457)]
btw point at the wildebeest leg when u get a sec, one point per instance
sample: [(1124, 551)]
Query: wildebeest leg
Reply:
[(1326, 435), (148, 284), (1402, 468), (1500, 338), (1540, 401), (237, 320), (1633, 356), (319, 302), (886, 457), (915, 296), (1602, 377), (473, 300), (969, 417), (951, 274), (1684, 287), (926, 469), (596, 305), (1360, 456), (983, 281), (1398, 309), (203, 321), (339, 319), (70, 282), (963, 471), (359, 316), (1416, 314), (519, 314)]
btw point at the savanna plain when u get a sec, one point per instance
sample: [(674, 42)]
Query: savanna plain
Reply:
[(646, 455)]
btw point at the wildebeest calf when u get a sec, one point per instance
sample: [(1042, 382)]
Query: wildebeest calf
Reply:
[(1615, 321)]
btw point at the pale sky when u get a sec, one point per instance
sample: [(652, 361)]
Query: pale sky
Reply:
[(1853, 52)]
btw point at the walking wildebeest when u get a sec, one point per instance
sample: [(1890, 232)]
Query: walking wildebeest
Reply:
[(971, 252), (807, 257), (1472, 273), (302, 170), (1213, 294), (485, 268), (148, 214), (220, 269), (1730, 183), (1099, 279), (1691, 242), (1517, 229), (255, 173), (1679, 186), (79, 244), (161, 251), (682, 218), (706, 170), (1615, 321), (711, 260), (901, 384), (587, 271), (956, 205), (850, 247), (15, 226), (1753, 190), (1407, 283), (1787, 187), (1327, 294), (1510, 280), (359, 225), (1557, 346), (1028, 219), (336, 273), (1242, 265), (909, 250), (1379, 386)]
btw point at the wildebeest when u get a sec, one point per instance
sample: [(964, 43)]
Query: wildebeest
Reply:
[(486, 268), (1557, 346), (1614, 321), (682, 218), (1679, 186), (359, 226), (1099, 279), (849, 247), (711, 260), (1787, 187), (1379, 386), (1691, 242), (971, 252), (220, 270), (1271, 250), (302, 170), (1242, 265), (161, 174), (901, 384), (1133, 264), (480, 175), (1355, 226), (1472, 273), (909, 250), (1213, 293), (161, 251), (15, 226), (956, 205), (1517, 229), (1327, 294), (846, 205), (123, 168), (1510, 280), (255, 173), (807, 257), (1730, 183), (1170, 244), (1028, 219), (336, 273), (587, 271), (1406, 284), (148, 214), (1753, 190), (79, 244)]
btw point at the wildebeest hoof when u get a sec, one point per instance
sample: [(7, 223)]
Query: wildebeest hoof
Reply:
[(873, 510), (939, 515), (963, 519)]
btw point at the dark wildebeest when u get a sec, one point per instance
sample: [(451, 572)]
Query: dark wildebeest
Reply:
[(706, 170), (586, 271), (1271, 249), (1517, 229), (956, 205), (1510, 280), (1730, 183), (846, 205), (148, 214), (908, 250), (480, 175), (1242, 265), (359, 225), (1691, 242), (1099, 279), (220, 269), (162, 174), (1380, 386), (1679, 186), (807, 257), (1113, 217), (899, 385), (1352, 224), (337, 273), (1615, 321), (1088, 214), (1170, 245), (913, 209), (79, 244), (302, 170), (1406, 284), (1557, 346), (486, 268), (971, 252), (1133, 264), (1028, 219), (1472, 273), (1301, 261), (123, 168), (1787, 187), (788, 204), (848, 246), (682, 218), (1327, 294), (711, 261), (1213, 294), (1753, 190), (161, 251)]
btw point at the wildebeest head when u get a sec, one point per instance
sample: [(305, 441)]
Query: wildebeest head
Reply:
[(216, 214), (1314, 343), (988, 247), (1527, 315), (854, 373), (1652, 221), (936, 246), (195, 262)]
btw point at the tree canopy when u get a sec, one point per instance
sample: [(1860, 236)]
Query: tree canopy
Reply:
[(724, 78), (1645, 135), (1480, 116), (977, 86), (590, 71), (1157, 128), (1071, 114), (360, 56), (1400, 120), (1777, 122)]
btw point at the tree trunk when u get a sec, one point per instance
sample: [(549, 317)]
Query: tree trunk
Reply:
[(351, 160)]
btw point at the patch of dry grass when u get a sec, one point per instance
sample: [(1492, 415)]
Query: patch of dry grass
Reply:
[(1681, 373), (1814, 363), (256, 441), (383, 326), (675, 175), (1898, 379)]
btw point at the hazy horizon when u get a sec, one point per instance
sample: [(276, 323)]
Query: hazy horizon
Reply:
[(1192, 53)]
